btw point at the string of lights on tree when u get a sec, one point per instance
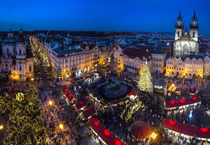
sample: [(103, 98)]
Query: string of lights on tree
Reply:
[(145, 82), (25, 125)]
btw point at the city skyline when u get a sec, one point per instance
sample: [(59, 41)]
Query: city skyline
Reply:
[(144, 16)]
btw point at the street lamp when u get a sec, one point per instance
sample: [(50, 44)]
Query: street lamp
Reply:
[(61, 126), (1, 127), (50, 102), (172, 85), (153, 135), (32, 79)]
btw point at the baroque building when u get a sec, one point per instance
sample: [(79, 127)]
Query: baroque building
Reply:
[(186, 43), (70, 59), (16, 61)]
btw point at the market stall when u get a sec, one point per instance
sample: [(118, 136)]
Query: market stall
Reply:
[(81, 105), (68, 95), (182, 103), (104, 135), (89, 112), (187, 130), (140, 130)]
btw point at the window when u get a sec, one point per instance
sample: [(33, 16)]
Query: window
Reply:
[(193, 34), (30, 68), (178, 33), (20, 68), (6, 66), (20, 52)]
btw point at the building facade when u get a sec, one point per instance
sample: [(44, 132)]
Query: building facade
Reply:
[(133, 59), (16, 59), (71, 60), (186, 44)]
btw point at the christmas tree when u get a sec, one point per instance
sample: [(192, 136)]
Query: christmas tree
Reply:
[(25, 125), (145, 82)]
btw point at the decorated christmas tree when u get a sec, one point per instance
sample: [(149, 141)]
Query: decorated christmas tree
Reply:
[(145, 82), (25, 125)]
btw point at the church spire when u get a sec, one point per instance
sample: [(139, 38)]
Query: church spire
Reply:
[(10, 30), (21, 36)]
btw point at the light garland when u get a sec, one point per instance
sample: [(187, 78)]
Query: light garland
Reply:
[(145, 82), (25, 125)]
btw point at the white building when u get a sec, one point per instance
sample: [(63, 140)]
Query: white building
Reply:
[(186, 44), (16, 60)]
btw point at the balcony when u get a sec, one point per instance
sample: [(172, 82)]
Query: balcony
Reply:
[(20, 56)]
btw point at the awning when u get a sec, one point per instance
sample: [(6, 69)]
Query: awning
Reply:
[(187, 129), (203, 132), (192, 90), (105, 135), (81, 104), (68, 94), (89, 112), (182, 102), (179, 127)]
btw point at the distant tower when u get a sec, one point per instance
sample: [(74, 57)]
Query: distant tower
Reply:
[(21, 35), (10, 34), (21, 46), (68, 39), (194, 28), (179, 27)]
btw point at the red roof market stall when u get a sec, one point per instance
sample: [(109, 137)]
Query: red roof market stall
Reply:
[(140, 130), (89, 112), (81, 104), (182, 102), (104, 134), (187, 129), (203, 132), (68, 94), (179, 127)]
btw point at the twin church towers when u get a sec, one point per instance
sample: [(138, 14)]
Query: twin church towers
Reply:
[(186, 43)]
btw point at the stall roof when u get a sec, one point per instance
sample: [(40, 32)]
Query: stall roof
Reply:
[(160, 83), (89, 112), (107, 136), (182, 102), (203, 132), (187, 129), (81, 104), (68, 94), (179, 127)]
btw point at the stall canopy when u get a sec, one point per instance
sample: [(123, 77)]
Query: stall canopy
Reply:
[(179, 127), (68, 94), (89, 112), (81, 104), (203, 132), (182, 102), (107, 136), (140, 130), (192, 90), (187, 129)]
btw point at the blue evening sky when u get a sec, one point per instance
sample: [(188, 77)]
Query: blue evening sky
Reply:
[(106, 15)]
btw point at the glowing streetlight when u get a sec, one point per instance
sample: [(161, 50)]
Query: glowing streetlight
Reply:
[(172, 85), (61, 126), (153, 135), (32, 79), (1, 127), (50, 102)]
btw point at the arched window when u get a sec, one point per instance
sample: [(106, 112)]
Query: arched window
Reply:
[(178, 33), (20, 52), (193, 34)]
